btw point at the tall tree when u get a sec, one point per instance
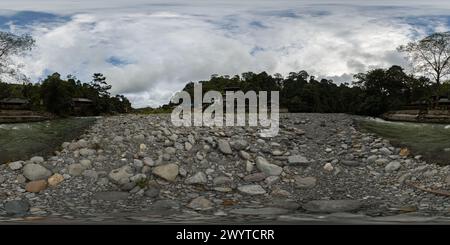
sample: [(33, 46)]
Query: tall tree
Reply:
[(430, 55), (10, 45)]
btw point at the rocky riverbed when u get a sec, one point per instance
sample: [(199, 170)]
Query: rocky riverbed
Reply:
[(137, 168)]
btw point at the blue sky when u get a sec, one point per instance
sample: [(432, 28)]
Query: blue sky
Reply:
[(150, 49)]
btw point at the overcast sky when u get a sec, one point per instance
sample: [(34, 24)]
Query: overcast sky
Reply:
[(150, 49)]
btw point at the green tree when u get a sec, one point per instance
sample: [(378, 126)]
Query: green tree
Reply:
[(56, 95)]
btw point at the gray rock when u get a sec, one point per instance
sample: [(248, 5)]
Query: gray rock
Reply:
[(91, 174), (392, 166), (332, 206), (76, 169), (256, 177), (111, 195), (381, 161), (168, 172), (16, 165), (372, 159), (187, 146), (86, 152), (305, 182), (37, 159), (244, 155), (17, 207), (86, 163), (222, 180), (165, 204), (239, 144), (148, 161), (298, 160), (267, 168), (200, 203), (252, 189), (198, 178), (385, 151), (224, 146), (36, 172), (121, 175), (152, 192)]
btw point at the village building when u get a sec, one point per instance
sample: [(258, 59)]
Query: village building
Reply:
[(14, 104)]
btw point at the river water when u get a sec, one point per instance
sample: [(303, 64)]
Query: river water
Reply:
[(430, 140), (23, 140)]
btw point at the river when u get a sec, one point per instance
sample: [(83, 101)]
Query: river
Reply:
[(430, 140), (23, 140)]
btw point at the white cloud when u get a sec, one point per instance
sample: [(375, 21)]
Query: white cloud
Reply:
[(150, 51)]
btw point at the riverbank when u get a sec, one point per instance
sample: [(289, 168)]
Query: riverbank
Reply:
[(418, 116), (141, 169), (23, 116)]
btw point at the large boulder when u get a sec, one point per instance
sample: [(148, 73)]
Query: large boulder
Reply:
[(267, 168), (168, 172), (121, 175), (34, 171)]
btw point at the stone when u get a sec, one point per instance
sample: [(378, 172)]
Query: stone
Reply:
[(222, 180), (138, 177), (249, 166), (404, 152), (36, 186), (328, 167), (447, 180), (91, 174), (86, 152), (239, 144), (152, 192), (37, 159), (142, 147), (168, 172), (252, 189), (305, 182), (385, 151), (198, 178), (34, 171), (86, 163), (392, 166), (256, 177), (224, 146), (381, 161), (244, 155), (55, 179), (15, 165), (170, 150), (372, 159), (332, 206), (138, 163), (111, 195), (148, 161), (121, 175), (76, 169), (200, 203), (350, 163), (297, 160), (267, 168), (17, 207), (272, 180), (187, 146)]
